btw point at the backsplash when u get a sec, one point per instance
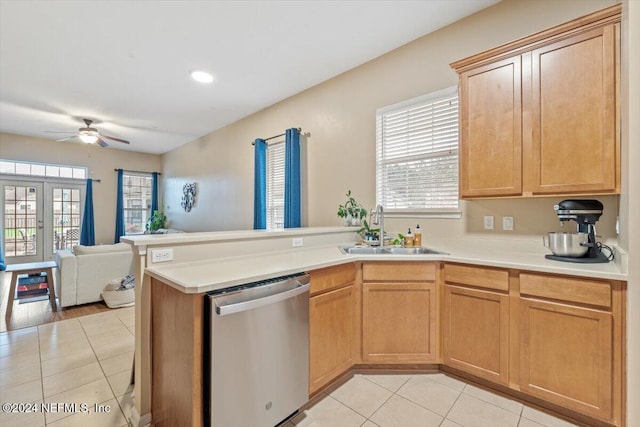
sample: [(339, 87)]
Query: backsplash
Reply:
[(531, 218)]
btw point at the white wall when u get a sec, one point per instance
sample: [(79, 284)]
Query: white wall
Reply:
[(340, 116), (101, 163)]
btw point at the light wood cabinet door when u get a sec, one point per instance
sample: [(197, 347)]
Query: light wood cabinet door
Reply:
[(566, 356), (399, 322), (476, 332), (491, 130), (574, 99), (332, 326)]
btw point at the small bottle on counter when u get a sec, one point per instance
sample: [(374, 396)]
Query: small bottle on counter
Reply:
[(417, 236), (408, 239)]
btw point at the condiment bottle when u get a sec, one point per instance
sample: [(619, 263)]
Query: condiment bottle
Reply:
[(417, 236), (408, 239)]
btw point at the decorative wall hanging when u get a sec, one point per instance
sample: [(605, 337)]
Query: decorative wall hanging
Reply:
[(189, 196)]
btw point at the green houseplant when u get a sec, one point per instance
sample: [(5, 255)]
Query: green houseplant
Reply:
[(351, 211), (157, 220)]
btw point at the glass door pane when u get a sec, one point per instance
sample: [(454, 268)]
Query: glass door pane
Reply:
[(22, 221), (66, 216)]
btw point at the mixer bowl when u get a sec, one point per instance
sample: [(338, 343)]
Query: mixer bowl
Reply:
[(566, 244)]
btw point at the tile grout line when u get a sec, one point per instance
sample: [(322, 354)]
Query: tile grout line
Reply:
[(454, 404), (69, 415), (383, 403), (520, 419), (379, 407), (44, 416), (104, 373)]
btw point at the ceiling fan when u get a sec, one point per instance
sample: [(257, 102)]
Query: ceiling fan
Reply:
[(91, 135)]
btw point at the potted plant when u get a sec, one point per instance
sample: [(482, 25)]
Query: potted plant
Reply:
[(156, 221), (352, 211), (367, 233)]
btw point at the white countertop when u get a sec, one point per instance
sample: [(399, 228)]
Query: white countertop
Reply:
[(224, 236), (219, 273)]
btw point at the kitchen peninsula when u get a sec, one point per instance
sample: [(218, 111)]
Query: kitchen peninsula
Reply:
[(528, 293)]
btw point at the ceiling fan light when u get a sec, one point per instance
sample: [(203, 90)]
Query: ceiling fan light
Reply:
[(88, 138), (201, 76)]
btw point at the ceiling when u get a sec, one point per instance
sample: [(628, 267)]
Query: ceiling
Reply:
[(126, 64)]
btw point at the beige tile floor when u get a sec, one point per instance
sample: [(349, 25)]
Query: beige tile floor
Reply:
[(85, 360), (418, 401)]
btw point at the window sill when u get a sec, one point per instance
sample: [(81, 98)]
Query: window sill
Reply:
[(439, 214)]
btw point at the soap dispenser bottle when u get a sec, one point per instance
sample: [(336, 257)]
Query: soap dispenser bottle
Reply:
[(417, 236), (408, 239)]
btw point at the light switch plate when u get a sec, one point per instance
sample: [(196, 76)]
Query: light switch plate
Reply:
[(488, 222), (507, 223), (297, 242)]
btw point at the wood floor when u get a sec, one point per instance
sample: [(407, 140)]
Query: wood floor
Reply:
[(39, 312)]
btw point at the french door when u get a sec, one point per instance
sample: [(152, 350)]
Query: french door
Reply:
[(40, 218)]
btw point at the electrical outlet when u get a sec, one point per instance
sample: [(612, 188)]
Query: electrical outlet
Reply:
[(297, 242), (488, 222), (507, 223), (161, 255)]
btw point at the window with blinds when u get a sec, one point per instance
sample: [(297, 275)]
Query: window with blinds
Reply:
[(417, 154), (275, 185)]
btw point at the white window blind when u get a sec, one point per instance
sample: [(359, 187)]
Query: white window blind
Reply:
[(417, 154), (275, 185)]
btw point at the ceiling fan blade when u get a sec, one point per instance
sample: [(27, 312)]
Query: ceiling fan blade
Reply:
[(101, 142), (67, 138), (124, 141), (56, 131)]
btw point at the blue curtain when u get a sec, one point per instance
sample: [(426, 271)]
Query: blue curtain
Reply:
[(292, 179), (87, 230), (3, 265), (260, 185), (154, 192), (119, 209)]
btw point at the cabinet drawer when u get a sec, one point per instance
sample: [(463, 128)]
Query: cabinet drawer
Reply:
[(398, 271), (584, 291), (332, 278), (483, 277)]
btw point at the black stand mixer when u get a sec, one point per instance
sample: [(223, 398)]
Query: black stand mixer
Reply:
[(585, 213)]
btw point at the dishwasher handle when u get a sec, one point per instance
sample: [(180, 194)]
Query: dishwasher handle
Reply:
[(260, 302)]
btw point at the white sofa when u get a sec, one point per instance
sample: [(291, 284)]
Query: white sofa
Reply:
[(83, 272)]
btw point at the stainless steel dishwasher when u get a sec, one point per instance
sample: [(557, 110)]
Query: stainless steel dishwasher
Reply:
[(257, 354)]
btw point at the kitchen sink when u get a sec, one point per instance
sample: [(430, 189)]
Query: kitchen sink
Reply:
[(367, 250), (398, 250), (389, 250)]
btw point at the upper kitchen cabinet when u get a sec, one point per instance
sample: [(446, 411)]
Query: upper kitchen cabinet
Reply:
[(491, 130), (540, 116)]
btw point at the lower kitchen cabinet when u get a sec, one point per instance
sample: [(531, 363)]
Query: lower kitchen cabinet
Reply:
[(476, 321), (333, 324), (399, 313), (570, 351), (476, 332), (565, 356)]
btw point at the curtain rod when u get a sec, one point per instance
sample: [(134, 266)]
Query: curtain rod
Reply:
[(95, 180), (128, 170), (276, 136)]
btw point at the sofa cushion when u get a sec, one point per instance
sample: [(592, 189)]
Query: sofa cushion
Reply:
[(101, 249)]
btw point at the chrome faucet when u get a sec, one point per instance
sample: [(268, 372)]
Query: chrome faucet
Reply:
[(379, 220)]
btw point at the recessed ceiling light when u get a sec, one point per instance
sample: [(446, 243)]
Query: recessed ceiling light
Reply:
[(201, 76)]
